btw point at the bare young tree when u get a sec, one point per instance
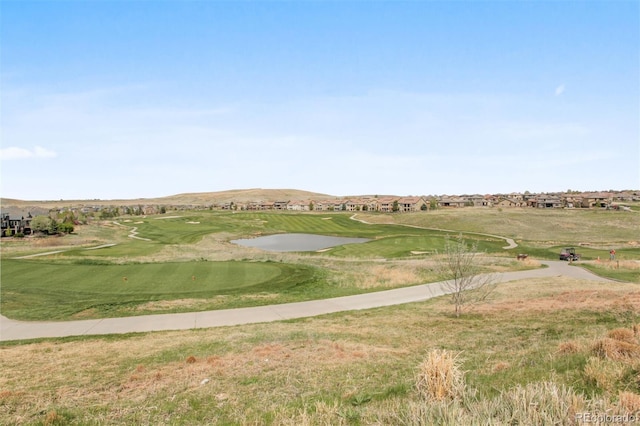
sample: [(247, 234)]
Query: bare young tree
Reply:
[(459, 265)]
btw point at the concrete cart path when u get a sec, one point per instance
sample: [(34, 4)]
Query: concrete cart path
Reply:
[(21, 330)]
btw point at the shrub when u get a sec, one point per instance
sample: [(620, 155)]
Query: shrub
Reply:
[(439, 377), (622, 335), (613, 349), (604, 373), (566, 348)]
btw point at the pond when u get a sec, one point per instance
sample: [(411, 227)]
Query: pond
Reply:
[(297, 242)]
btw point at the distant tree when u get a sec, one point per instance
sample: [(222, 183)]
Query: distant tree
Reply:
[(106, 213), (311, 206), (163, 209), (42, 224), (458, 265), (65, 228), (395, 206)]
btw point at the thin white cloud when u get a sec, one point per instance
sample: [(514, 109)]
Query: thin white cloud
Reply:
[(16, 153), (560, 90)]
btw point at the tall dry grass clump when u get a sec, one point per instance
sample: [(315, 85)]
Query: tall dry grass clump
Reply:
[(617, 350), (570, 347), (629, 402), (539, 403), (623, 335), (604, 373), (439, 377)]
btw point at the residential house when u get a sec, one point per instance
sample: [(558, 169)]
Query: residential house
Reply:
[(266, 205), (446, 201), (479, 200), (357, 205), (14, 225), (412, 204), (509, 202), (385, 204), (299, 206), (280, 205), (597, 199), (547, 202)]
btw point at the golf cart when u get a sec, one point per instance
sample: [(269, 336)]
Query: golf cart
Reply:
[(569, 254)]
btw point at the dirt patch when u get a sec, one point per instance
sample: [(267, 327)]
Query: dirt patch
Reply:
[(87, 313), (591, 299), (162, 305)]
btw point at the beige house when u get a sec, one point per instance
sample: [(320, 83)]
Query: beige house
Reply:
[(412, 204), (452, 202), (299, 206), (509, 202)]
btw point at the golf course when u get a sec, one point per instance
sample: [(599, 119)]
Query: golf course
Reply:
[(533, 339)]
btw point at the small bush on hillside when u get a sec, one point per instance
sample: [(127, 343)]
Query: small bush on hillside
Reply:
[(623, 335), (566, 348), (613, 349), (604, 373), (440, 377)]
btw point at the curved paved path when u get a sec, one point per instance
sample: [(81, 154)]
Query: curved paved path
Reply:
[(20, 330)]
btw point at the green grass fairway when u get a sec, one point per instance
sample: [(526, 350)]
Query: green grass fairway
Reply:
[(37, 290)]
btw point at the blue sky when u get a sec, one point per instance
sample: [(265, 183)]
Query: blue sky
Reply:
[(129, 99)]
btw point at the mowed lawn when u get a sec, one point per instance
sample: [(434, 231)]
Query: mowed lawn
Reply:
[(39, 290)]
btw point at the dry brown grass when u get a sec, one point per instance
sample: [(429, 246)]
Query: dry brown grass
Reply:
[(570, 347), (164, 305), (623, 334), (501, 366), (254, 368), (616, 350), (604, 373), (617, 264), (557, 293), (378, 275), (629, 402), (440, 377)]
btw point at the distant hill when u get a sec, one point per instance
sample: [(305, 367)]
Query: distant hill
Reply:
[(243, 195), (196, 199)]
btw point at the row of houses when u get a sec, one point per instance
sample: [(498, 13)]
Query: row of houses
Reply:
[(415, 204), (16, 223), (388, 204), (373, 204)]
